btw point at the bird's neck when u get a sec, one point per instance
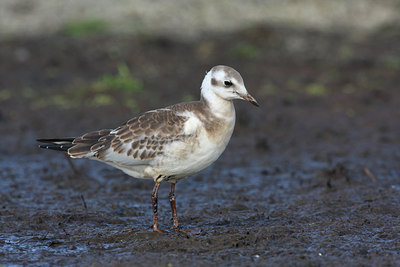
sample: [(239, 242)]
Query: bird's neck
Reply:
[(220, 107)]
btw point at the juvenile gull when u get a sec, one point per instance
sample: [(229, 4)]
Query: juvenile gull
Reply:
[(170, 143)]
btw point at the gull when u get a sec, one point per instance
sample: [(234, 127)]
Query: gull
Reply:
[(167, 144)]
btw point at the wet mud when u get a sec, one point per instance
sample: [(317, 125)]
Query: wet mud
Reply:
[(311, 178)]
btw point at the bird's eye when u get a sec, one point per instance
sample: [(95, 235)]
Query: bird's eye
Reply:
[(228, 83)]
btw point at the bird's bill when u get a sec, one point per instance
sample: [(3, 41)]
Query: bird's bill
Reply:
[(249, 98)]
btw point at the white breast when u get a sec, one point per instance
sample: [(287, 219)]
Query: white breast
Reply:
[(181, 159)]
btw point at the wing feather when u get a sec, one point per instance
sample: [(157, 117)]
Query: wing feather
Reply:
[(139, 140)]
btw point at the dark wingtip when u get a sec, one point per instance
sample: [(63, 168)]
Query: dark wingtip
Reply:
[(56, 147), (54, 140), (60, 144)]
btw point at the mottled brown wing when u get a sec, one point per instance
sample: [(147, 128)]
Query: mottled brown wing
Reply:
[(141, 138), (144, 137)]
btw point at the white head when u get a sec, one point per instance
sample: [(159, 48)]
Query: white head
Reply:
[(226, 83)]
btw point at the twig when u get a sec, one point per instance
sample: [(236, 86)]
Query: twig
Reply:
[(65, 232), (84, 203), (370, 175), (43, 237)]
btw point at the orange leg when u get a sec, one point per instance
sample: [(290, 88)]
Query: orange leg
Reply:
[(154, 199), (175, 216), (173, 207)]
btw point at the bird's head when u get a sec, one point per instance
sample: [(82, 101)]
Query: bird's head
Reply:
[(227, 83)]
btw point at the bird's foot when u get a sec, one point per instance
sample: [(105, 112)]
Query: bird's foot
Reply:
[(195, 231), (159, 230), (156, 229)]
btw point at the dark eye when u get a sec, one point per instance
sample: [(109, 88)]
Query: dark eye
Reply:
[(228, 83)]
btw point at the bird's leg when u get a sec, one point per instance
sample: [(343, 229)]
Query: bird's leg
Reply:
[(154, 199), (175, 225), (173, 207)]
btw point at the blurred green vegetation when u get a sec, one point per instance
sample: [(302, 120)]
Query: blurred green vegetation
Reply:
[(85, 27), (5, 94), (295, 89), (393, 63), (189, 98), (316, 89), (350, 112), (245, 50), (268, 89), (110, 89), (123, 80), (289, 98)]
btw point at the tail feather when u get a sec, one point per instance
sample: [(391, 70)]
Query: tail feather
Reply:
[(59, 144), (80, 146)]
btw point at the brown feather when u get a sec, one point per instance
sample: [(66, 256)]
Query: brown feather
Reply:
[(144, 137)]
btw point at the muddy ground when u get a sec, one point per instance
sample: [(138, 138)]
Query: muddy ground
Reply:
[(309, 178)]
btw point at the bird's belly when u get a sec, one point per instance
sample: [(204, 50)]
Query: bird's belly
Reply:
[(178, 161), (191, 157)]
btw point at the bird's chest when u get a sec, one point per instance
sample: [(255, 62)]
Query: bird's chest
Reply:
[(206, 139), (212, 139), (198, 152)]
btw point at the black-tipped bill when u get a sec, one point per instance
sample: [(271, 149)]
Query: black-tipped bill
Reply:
[(249, 98)]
